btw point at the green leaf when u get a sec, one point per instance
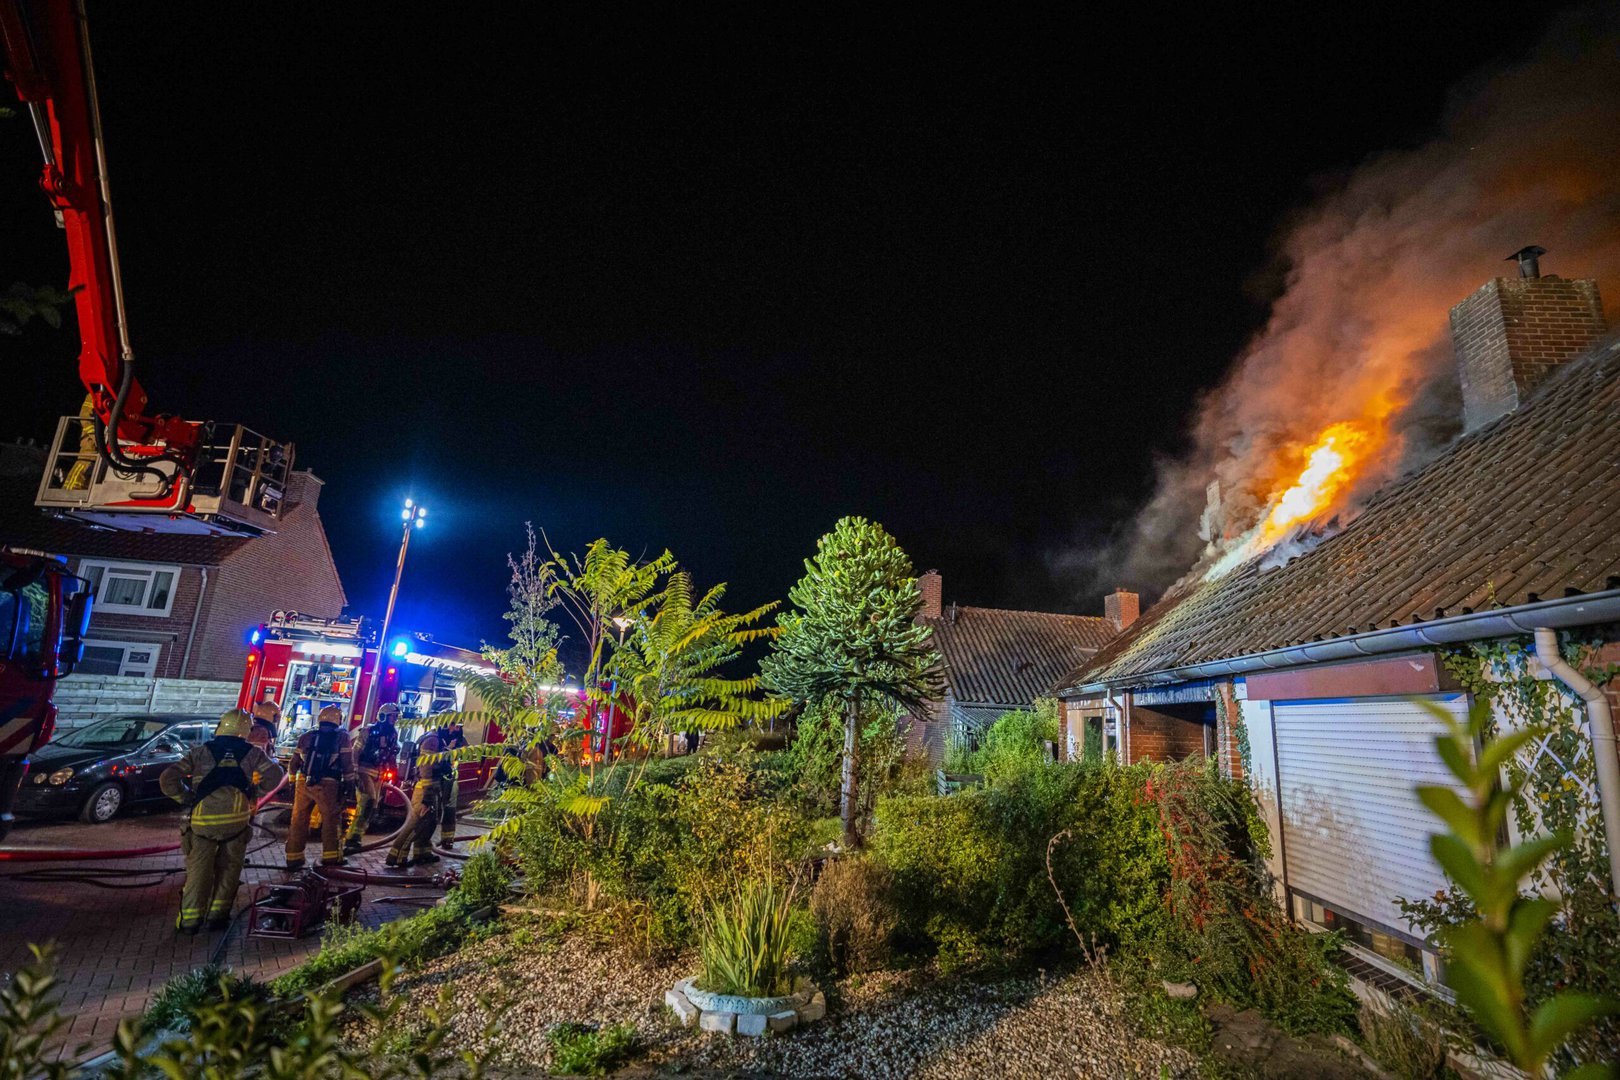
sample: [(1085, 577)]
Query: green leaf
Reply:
[(1449, 807), (1459, 863), (1518, 861), (1486, 998), (1456, 758), (1500, 750), (1525, 923), (1560, 1017)]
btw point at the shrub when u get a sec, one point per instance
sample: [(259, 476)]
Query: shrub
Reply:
[(485, 880), (434, 932), (171, 1008), (1405, 1041), (579, 1050), (230, 1037), (747, 941), (1159, 862), (660, 847), (853, 904), (1016, 742)]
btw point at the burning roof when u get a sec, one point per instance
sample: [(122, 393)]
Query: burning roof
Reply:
[(1526, 508)]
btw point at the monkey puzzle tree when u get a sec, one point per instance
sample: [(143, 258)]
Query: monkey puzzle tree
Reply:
[(853, 636)]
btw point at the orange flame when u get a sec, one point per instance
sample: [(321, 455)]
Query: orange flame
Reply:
[(1331, 464)]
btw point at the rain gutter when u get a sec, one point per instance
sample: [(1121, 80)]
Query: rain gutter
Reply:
[(1584, 610)]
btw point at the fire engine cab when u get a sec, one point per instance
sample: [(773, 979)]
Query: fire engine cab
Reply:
[(302, 664)]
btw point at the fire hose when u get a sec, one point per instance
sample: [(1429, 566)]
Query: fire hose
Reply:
[(113, 877)]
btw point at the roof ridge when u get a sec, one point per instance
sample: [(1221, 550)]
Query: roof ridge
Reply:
[(1022, 611)]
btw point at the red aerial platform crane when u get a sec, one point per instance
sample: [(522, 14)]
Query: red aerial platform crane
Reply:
[(116, 464)]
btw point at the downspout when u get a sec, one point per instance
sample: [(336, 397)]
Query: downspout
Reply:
[(1119, 727), (196, 612), (1600, 729)]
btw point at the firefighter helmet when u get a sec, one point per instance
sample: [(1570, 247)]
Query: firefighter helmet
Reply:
[(330, 715), (235, 722), (389, 710)]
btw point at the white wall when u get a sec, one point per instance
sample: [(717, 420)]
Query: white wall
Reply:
[(83, 699), (1263, 761)]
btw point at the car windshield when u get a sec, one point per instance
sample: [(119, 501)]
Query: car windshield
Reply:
[(117, 731)]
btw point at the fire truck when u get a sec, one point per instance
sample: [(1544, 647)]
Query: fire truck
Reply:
[(44, 616), (301, 665), (117, 464)]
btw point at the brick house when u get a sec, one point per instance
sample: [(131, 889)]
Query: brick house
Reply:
[(996, 660), (1313, 673), (172, 611)]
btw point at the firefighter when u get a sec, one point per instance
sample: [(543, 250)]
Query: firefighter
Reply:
[(434, 784), (323, 770), (266, 721), (452, 738), (221, 780), (376, 754)]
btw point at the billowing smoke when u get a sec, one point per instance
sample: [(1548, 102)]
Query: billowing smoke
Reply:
[(1529, 155)]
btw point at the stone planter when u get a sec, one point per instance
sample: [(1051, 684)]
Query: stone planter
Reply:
[(733, 1015)]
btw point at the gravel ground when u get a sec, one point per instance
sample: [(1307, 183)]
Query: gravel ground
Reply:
[(902, 1024)]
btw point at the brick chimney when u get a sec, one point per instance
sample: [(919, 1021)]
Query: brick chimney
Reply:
[(1514, 332), (932, 587), (303, 489), (1122, 607)]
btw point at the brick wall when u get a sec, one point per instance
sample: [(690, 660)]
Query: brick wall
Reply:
[(1229, 752), (1513, 332), (291, 570), (1157, 735), (168, 633)]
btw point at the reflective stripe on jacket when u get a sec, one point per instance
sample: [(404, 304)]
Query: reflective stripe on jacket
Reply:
[(226, 810)]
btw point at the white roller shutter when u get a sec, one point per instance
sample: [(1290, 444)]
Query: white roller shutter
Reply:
[(1355, 835)]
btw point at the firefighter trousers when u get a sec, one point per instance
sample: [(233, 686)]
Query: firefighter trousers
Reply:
[(213, 874), (447, 811), (423, 817), (367, 794), (307, 796)]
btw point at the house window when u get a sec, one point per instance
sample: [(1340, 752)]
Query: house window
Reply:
[(119, 658), (132, 588)]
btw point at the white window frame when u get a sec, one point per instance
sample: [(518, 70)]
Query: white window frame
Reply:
[(132, 570), (147, 670)]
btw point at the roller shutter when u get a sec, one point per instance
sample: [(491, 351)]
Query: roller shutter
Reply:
[(1355, 835)]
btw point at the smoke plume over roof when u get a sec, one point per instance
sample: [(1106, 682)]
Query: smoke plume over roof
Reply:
[(1359, 330)]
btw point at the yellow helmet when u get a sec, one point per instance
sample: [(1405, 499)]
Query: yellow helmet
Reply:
[(266, 710), (235, 722), (330, 715)]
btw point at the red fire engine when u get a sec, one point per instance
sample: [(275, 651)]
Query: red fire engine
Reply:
[(117, 464), (302, 665)]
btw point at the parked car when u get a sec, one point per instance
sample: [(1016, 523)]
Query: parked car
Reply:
[(98, 771)]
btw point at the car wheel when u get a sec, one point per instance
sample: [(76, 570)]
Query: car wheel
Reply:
[(103, 804)]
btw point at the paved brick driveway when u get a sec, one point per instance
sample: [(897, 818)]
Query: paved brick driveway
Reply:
[(116, 947)]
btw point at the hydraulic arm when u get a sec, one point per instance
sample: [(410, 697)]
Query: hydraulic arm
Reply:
[(119, 464)]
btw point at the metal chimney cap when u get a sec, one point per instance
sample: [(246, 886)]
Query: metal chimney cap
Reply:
[(1528, 260)]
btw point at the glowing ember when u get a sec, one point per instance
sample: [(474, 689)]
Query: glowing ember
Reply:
[(1330, 465)]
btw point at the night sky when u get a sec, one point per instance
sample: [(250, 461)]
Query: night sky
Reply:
[(710, 279)]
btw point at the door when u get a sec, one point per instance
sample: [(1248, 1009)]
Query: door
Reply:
[(165, 750), (1355, 836)]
